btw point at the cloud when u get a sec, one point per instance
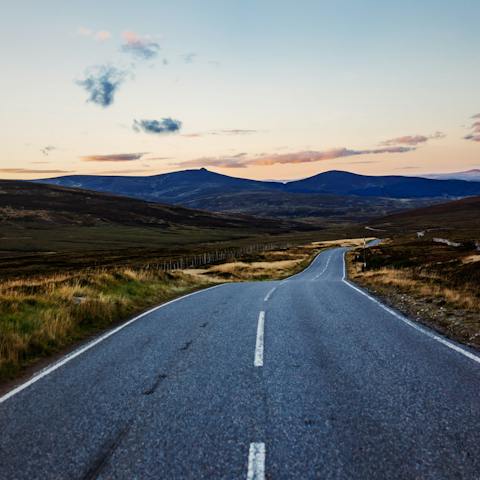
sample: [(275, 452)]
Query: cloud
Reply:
[(103, 35), (221, 162), (413, 140), (235, 131), (139, 47), (114, 157), (309, 156), (100, 35), (165, 125), (102, 82), (29, 170), (474, 135), (46, 150)]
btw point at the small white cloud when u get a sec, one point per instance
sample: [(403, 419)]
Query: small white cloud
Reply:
[(99, 35)]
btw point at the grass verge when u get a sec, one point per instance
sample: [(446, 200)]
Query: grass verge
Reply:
[(43, 315), (435, 284)]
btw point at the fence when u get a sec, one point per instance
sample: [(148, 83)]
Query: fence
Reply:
[(214, 256)]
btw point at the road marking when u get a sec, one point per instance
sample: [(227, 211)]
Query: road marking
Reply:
[(412, 324), (269, 294), (258, 361), (256, 462), (88, 346), (324, 268)]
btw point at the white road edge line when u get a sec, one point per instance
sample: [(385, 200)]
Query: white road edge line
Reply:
[(88, 346), (256, 462), (258, 361), (269, 294), (410, 323)]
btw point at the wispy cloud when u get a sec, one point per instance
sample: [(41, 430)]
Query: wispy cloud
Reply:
[(140, 47), (158, 127), (221, 162), (100, 35), (46, 150), (114, 157), (102, 82), (235, 131), (30, 170), (310, 156), (412, 140), (474, 135)]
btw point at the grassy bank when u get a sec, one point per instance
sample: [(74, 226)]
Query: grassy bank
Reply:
[(42, 315), (434, 283)]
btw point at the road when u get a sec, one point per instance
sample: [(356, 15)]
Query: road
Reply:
[(304, 378)]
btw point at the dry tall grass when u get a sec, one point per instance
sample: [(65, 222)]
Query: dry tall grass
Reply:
[(426, 286), (41, 315), (436, 284)]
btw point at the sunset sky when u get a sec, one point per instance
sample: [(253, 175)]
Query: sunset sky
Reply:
[(251, 88)]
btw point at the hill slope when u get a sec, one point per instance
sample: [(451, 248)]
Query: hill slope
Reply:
[(391, 186), (30, 204), (45, 228), (458, 216), (174, 188)]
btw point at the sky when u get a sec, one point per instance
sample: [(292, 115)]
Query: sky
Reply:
[(251, 88)]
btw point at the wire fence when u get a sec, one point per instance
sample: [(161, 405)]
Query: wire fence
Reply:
[(212, 257)]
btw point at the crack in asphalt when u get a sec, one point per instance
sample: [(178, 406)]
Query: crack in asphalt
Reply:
[(155, 384)]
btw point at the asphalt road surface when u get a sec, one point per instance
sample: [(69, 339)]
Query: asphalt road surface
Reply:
[(304, 378)]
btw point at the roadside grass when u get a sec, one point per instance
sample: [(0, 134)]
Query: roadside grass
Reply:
[(434, 283), (42, 315)]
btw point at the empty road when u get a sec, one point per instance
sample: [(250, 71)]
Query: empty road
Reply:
[(304, 378)]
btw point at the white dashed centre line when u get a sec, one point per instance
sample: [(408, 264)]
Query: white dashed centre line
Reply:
[(258, 361), (324, 268), (256, 462)]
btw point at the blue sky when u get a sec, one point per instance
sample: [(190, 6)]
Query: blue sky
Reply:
[(257, 89)]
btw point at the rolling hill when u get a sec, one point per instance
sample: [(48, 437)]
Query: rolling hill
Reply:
[(457, 217), (35, 204), (391, 186)]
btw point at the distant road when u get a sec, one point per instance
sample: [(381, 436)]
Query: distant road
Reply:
[(307, 378)]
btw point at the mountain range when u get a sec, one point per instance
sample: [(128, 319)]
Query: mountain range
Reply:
[(182, 186), (333, 196)]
